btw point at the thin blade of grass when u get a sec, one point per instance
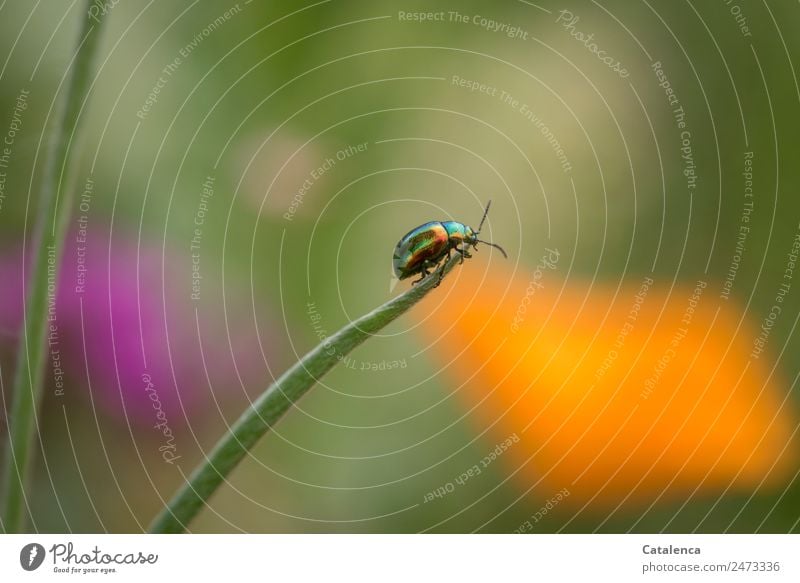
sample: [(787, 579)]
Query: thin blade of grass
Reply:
[(53, 216), (262, 415)]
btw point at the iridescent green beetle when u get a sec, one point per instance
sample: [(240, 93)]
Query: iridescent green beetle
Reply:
[(425, 247)]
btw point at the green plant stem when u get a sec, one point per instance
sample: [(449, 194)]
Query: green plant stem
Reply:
[(54, 214), (262, 415)]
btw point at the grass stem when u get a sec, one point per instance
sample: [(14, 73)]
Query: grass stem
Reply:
[(273, 403), (53, 217)]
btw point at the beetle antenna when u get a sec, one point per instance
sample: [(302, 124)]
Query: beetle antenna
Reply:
[(486, 212), (494, 245)]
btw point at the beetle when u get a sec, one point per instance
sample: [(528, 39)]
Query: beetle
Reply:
[(424, 247)]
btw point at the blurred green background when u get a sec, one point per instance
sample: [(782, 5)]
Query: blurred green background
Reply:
[(261, 96)]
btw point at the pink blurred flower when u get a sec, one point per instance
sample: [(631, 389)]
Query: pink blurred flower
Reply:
[(138, 337)]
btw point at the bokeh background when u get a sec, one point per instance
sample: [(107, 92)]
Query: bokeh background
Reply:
[(244, 173)]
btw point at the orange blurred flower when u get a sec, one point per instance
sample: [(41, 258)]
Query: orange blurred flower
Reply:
[(628, 393)]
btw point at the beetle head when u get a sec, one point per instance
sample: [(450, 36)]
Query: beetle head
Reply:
[(472, 236)]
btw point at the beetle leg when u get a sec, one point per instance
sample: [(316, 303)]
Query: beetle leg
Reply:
[(424, 271), (464, 254), (441, 268), (422, 275)]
